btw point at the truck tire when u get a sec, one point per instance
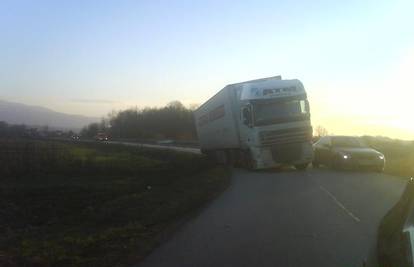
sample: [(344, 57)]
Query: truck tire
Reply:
[(230, 157), (248, 161), (301, 167)]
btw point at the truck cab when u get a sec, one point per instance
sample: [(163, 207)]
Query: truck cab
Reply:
[(275, 123), (263, 123)]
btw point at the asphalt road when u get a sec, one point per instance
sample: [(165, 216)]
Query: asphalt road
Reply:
[(286, 218)]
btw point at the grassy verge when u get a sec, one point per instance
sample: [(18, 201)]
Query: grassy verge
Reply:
[(64, 204), (400, 166), (399, 155)]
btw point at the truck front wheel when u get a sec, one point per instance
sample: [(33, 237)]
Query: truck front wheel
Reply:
[(247, 160), (301, 167)]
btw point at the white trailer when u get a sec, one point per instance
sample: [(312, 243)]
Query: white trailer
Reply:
[(262, 123)]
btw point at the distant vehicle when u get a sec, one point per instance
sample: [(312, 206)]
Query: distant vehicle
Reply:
[(102, 137), (260, 124), (346, 152), (75, 137)]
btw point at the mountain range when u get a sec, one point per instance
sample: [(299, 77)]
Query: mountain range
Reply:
[(16, 113)]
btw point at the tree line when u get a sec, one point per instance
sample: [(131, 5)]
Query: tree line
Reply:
[(7, 130), (173, 121), (24, 131)]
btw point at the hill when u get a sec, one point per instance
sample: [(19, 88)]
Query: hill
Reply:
[(16, 113)]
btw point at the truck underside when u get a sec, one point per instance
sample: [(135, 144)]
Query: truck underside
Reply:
[(265, 157)]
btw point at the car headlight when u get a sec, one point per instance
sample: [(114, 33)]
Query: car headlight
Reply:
[(345, 156), (381, 156)]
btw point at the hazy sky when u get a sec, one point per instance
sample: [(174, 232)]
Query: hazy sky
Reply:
[(355, 58)]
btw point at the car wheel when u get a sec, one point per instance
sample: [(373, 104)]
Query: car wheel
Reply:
[(336, 163)]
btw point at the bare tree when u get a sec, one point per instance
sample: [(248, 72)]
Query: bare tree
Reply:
[(193, 106), (175, 104), (320, 131)]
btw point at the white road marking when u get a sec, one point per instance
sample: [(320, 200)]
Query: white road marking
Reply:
[(340, 204)]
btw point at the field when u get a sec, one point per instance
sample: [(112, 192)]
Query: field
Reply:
[(399, 155), (72, 204), (403, 166)]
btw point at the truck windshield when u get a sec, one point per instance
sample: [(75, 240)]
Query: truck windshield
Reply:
[(266, 113)]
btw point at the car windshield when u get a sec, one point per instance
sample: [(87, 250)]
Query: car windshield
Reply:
[(346, 142), (276, 112)]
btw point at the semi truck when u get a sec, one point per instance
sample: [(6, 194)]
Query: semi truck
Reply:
[(259, 124)]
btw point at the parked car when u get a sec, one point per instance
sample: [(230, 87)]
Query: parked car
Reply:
[(345, 152)]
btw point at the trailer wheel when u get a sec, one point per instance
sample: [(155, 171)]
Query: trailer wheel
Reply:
[(222, 157)]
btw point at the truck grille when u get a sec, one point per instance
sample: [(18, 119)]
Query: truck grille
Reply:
[(286, 153), (286, 136)]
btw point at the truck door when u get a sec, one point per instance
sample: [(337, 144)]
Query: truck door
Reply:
[(246, 117)]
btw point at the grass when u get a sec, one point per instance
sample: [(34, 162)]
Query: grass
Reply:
[(67, 204), (399, 155), (401, 166)]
